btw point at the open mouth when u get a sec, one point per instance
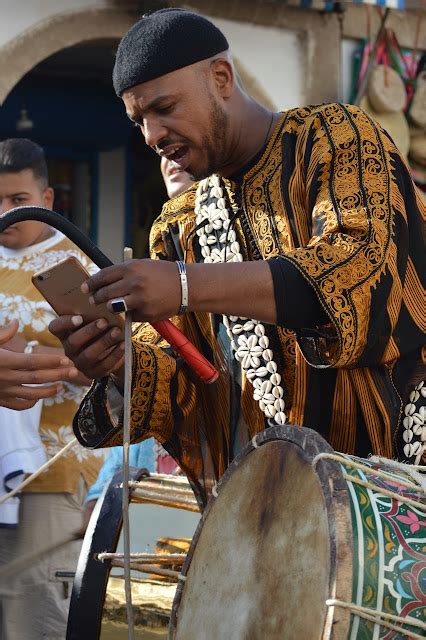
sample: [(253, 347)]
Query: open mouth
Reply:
[(178, 157)]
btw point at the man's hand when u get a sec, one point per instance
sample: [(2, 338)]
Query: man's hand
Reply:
[(151, 288), (96, 348), (20, 369)]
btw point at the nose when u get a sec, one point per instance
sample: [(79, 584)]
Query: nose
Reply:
[(153, 131)]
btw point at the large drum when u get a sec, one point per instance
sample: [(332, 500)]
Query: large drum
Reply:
[(302, 543)]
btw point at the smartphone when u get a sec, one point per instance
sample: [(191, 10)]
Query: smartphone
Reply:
[(60, 286)]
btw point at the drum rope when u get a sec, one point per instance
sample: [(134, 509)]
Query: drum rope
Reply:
[(148, 568), (411, 470), (381, 618), (172, 558), (40, 470), (390, 494), (128, 254)]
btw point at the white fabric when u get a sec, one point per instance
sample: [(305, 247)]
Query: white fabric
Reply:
[(21, 453)]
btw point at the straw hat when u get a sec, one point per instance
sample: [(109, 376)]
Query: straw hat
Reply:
[(386, 90), (418, 146), (417, 111), (394, 123)]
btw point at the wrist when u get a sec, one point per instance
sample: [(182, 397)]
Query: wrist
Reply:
[(184, 301)]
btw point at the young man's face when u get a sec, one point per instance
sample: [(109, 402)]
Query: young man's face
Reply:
[(18, 190), (182, 117), (175, 179)]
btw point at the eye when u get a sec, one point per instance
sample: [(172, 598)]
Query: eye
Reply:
[(165, 109)]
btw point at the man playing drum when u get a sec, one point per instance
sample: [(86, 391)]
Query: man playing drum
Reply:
[(302, 246)]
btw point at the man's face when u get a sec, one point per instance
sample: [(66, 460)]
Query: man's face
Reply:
[(175, 179), (181, 118), (18, 190)]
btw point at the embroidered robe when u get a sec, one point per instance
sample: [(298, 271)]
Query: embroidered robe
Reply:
[(331, 195)]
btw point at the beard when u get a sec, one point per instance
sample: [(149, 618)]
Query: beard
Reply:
[(214, 143)]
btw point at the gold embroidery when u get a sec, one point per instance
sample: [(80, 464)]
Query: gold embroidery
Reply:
[(151, 402)]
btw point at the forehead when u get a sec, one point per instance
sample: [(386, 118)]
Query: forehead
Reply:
[(176, 84), (17, 182)]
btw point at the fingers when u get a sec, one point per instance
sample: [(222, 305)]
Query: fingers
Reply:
[(104, 364), (20, 392), (16, 403), (38, 376), (28, 368), (7, 333), (103, 278), (64, 325), (93, 347)]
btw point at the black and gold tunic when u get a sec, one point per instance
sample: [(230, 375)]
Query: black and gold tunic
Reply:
[(331, 201)]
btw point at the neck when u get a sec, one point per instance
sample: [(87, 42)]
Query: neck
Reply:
[(252, 131), (46, 233)]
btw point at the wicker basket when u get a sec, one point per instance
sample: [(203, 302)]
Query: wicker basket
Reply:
[(386, 90)]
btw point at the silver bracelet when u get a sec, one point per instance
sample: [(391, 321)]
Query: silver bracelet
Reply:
[(184, 286)]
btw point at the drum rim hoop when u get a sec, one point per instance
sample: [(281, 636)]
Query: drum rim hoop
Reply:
[(338, 514)]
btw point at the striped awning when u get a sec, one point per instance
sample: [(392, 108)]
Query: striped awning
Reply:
[(331, 5)]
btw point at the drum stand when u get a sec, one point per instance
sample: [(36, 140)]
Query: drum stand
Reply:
[(98, 554)]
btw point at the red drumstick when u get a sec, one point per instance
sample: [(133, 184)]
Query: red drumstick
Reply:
[(186, 350)]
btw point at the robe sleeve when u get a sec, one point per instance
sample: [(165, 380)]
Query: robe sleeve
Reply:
[(356, 255)]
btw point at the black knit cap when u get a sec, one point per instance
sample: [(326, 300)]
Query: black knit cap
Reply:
[(162, 42)]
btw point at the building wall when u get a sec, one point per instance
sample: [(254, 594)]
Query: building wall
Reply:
[(111, 206), (17, 17), (275, 57)]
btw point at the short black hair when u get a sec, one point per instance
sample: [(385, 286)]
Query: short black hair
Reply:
[(18, 154)]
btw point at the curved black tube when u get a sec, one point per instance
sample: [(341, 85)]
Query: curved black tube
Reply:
[(56, 220), (165, 328)]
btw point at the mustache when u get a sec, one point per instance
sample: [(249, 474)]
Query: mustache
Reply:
[(167, 142)]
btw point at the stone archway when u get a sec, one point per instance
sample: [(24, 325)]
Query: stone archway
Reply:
[(53, 34), (58, 32)]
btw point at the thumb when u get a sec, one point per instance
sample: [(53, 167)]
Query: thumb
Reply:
[(7, 333)]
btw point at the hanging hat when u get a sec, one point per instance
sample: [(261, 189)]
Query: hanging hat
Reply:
[(386, 90), (418, 145), (418, 173), (162, 42), (417, 112), (394, 123)]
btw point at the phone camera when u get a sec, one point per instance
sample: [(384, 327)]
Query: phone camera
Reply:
[(43, 276)]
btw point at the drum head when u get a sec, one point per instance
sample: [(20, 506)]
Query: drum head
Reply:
[(260, 562)]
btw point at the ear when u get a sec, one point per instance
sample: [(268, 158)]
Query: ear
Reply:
[(223, 76), (48, 197)]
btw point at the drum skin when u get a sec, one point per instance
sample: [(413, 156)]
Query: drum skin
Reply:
[(284, 536)]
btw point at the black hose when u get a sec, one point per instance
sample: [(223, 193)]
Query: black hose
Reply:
[(56, 220)]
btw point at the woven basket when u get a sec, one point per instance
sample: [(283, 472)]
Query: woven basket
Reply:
[(418, 103), (386, 90), (418, 146)]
